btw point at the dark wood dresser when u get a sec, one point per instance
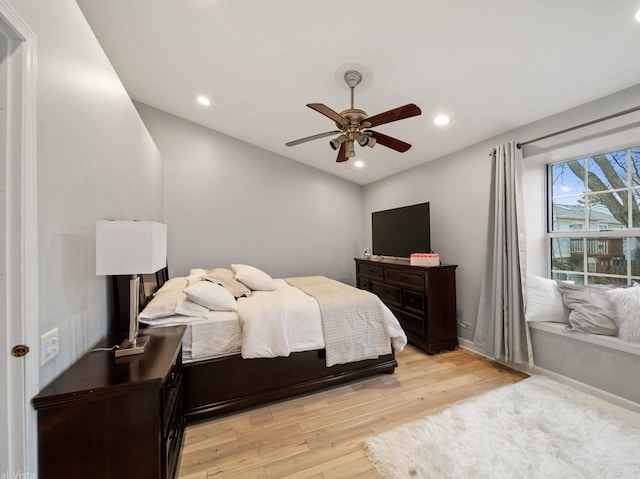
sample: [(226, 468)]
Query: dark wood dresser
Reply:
[(422, 298), (107, 417)]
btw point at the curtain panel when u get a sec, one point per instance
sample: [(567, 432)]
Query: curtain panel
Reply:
[(501, 330)]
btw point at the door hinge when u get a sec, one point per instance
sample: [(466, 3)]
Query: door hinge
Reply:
[(19, 350)]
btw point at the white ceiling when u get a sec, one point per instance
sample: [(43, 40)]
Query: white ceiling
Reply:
[(492, 65)]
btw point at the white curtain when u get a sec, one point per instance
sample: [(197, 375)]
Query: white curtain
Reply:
[(500, 329)]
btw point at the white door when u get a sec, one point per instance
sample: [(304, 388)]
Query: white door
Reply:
[(4, 403), (18, 245), (4, 346)]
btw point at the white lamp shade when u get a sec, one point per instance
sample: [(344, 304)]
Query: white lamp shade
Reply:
[(130, 247)]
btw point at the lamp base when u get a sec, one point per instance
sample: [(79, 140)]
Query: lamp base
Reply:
[(127, 348)]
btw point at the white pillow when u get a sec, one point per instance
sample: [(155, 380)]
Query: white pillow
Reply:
[(591, 308), (189, 308), (171, 302), (544, 301), (227, 279), (627, 305), (211, 296), (253, 278), (172, 284), (195, 275), (163, 304), (197, 272)]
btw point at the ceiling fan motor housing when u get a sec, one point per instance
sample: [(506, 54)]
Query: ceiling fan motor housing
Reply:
[(354, 118)]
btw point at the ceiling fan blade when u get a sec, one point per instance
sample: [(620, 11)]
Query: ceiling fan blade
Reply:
[(400, 113), (390, 142), (342, 153), (328, 112), (312, 137)]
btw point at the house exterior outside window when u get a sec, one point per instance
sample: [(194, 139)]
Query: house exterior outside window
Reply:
[(593, 218)]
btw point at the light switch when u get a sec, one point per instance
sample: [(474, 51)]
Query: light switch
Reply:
[(48, 346)]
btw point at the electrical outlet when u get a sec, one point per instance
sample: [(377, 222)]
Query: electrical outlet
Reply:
[(48, 346)]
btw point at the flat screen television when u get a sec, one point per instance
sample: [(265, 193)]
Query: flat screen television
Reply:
[(401, 231)]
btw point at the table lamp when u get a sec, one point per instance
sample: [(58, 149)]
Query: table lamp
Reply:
[(131, 248)]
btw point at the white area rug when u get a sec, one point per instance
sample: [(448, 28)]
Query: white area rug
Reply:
[(537, 428)]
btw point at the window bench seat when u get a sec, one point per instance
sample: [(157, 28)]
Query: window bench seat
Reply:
[(604, 365)]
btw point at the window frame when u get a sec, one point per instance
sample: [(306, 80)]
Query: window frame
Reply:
[(626, 233)]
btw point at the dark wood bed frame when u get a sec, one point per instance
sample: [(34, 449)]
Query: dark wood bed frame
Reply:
[(216, 386)]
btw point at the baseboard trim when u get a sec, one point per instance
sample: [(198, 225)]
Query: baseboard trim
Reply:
[(469, 345), (600, 393)]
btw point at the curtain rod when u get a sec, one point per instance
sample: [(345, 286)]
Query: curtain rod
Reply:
[(589, 123)]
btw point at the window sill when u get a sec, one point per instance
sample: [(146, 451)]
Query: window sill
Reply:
[(612, 342)]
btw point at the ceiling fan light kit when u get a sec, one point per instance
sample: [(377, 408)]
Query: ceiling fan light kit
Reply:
[(354, 124), (337, 142)]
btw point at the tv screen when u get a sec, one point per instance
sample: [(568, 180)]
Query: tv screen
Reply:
[(401, 231)]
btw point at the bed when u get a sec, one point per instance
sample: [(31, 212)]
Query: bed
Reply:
[(236, 369)]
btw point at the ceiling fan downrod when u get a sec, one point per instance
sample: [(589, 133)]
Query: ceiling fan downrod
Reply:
[(353, 79)]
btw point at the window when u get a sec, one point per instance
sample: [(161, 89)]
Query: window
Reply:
[(594, 218)]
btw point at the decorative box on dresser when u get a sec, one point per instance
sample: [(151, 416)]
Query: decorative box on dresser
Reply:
[(422, 298), (107, 417)]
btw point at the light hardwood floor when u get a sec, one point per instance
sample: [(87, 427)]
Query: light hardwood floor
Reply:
[(319, 436)]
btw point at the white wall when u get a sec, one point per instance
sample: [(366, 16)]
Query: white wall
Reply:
[(227, 201), (456, 188), (96, 160)]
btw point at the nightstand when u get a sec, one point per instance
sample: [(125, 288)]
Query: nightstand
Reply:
[(107, 417)]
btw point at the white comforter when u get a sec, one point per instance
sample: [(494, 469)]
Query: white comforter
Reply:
[(278, 323), (349, 323)]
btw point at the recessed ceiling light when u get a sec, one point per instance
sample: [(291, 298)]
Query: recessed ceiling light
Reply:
[(203, 100), (358, 164), (638, 16), (441, 120)]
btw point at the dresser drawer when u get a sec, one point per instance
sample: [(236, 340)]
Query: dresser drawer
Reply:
[(387, 293), (171, 392), (414, 301), (373, 271), (173, 439), (364, 283), (405, 278), (410, 323)]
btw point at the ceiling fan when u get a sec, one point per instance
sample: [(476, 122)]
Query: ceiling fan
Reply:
[(354, 124)]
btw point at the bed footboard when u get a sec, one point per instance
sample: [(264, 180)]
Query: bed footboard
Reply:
[(216, 386)]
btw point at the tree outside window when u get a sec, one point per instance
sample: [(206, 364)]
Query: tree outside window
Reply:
[(594, 218)]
